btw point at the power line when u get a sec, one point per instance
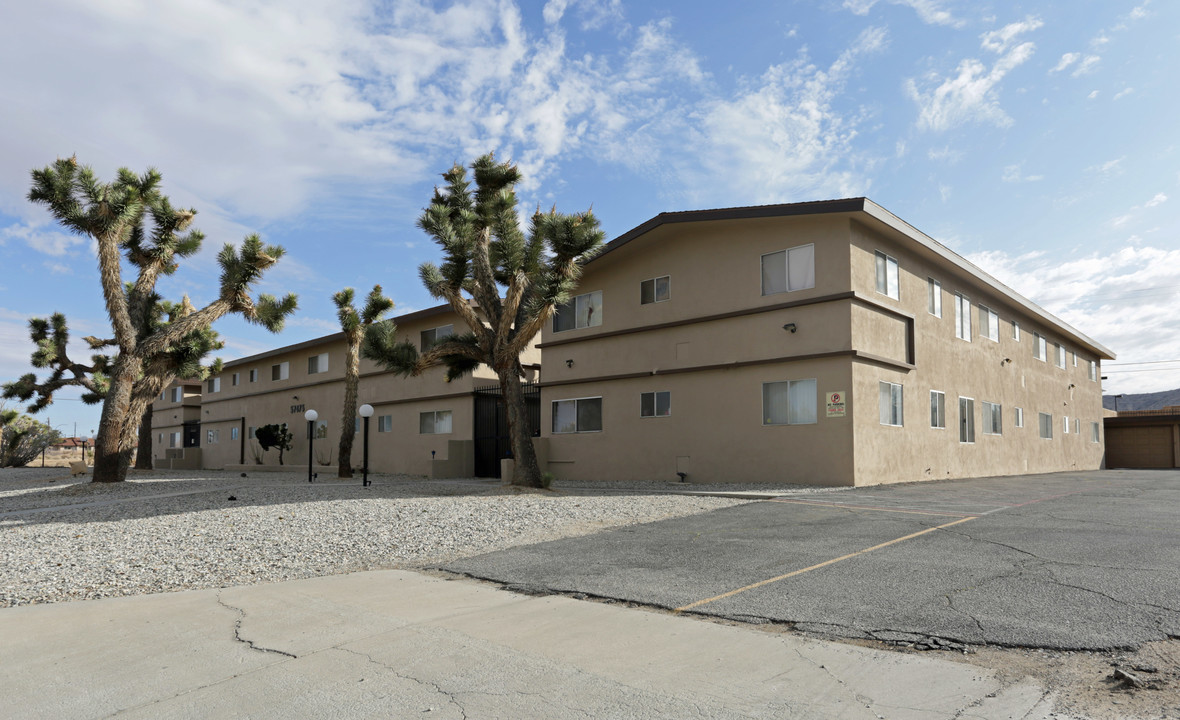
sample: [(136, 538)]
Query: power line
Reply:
[(1145, 362)]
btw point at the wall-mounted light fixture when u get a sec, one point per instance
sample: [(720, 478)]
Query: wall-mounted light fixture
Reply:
[(1071, 386), (1005, 361), (790, 327), (569, 363)]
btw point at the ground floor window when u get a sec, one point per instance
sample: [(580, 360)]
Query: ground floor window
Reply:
[(385, 423), (577, 416), (212, 437), (655, 404), (891, 404), (1094, 432), (321, 429), (966, 420), (790, 402), (1046, 425), (993, 422), (937, 409), (233, 433), (434, 422), (173, 439)]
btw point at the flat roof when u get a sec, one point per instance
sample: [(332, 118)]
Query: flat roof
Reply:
[(876, 216)]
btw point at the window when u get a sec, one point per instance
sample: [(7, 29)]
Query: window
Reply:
[(1038, 347), (1093, 372), (934, 297), (962, 317), (1094, 432), (1065, 424), (177, 394), (993, 419), (173, 439), (989, 324), (966, 420), (317, 364), (1075, 359), (792, 402), (385, 423), (250, 432), (435, 422), (1060, 354), (254, 375), (233, 379), (887, 275), (890, 400), (788, 270), (161, 438), (1077, 426), (655, 404), (233, 433), (321, 429), (282, 371), (937, 409), (655, 290), (433, 335), (1016, 331), (579, 312), (213, 385), (1046, 425), (577, 416), (1019, 417), (212, 437)]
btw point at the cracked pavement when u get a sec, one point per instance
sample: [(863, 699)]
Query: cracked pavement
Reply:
[(401, 644), (1068, 561)]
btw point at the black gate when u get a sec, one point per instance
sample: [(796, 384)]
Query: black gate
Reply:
[(492, 442)]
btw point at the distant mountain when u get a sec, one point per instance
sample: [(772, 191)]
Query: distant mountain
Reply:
[(1143, 401)]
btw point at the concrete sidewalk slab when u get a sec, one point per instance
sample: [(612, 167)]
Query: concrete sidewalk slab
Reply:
[(399, 644)]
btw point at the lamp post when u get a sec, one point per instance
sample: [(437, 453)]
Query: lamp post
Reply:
[(311, 416), (366, 412)]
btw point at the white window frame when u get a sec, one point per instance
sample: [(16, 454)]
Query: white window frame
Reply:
[(655, 404), (1016, 331), (1093, 370), (1019, 420), (213, 385), (655, 290), (174, 440), (1039, 347), (934, 297), (966, 420), (993, 418), (254, 375), (320, 363), (233, 433), (1065, 424), (895, 409), (803, 385), (1045, 422), (321, 429), (888, 275), (384, 423), (235, 379), (577, 415), (212, 437), (989, 324), (1095, 435), (962, 317), (429, 337), (250, 432), (592, 299), (1059, 352), (177, 394), (284, 369), (938, 409), (796, 252), (435, 417)]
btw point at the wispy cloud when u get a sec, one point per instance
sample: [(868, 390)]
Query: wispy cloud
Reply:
[(1066, 60), (971, 94), (931, 12), (1015, 174), (43, 240)]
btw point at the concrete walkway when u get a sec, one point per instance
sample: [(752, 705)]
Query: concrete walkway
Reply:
[(400, 644)]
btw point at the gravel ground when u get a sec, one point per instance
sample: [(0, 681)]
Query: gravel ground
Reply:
[(278, 527)]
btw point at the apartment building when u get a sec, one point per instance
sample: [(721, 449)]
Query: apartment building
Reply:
[(825, 343), (176, 426), (421, 425)]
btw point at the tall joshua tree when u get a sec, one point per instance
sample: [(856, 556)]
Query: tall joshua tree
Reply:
[(354, 325), (516, 281), (129, 218)]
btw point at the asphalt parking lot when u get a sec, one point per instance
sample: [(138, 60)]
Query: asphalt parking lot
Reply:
[(1070, 561)]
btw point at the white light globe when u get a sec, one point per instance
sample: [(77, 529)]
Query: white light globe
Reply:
[(311, 415), (366, 410)]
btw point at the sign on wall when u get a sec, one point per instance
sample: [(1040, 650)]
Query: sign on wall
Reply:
[(836, 404)]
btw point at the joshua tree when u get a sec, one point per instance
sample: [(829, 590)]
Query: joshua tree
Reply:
[(354, 325), (129, 218), (516, 283), (276, 436)]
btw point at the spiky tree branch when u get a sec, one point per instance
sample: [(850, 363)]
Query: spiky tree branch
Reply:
[(354, 324)]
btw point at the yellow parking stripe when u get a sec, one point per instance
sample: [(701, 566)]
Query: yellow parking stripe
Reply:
[(844, 506), (825, 563)]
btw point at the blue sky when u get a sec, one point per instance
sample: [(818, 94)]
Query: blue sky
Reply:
[(1037, 139)]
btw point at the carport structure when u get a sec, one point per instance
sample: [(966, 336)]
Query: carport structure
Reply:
[(1143, 439)]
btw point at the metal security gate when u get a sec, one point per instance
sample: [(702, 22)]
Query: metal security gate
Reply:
[(492, 441)]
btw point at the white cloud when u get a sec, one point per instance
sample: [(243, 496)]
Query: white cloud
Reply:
[(945, 154), (1140, 12), (1093, 94), (1110, 167), (1157, 200), (970, 95), (1086, 66), (1014, 174), (1066, 60), (1122, 299), (1123, 93), (49, 242), (931, 12)]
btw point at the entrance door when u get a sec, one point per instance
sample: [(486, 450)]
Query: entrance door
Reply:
[(192, 434), (492, 441)]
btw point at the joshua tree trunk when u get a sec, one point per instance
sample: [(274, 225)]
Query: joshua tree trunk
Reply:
[(526, 470), (143, 453), (112, 452), (352, 376)]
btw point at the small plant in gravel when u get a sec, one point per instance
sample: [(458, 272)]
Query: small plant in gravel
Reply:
[(547, 479)]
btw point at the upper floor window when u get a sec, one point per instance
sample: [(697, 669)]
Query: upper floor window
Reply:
[(317, 364), (887, 275), (655, 404), (254, 375), (579, 312), (214, 385), (789, 403), (1060, 354), (177, 394), (281, 371), (435, 422), (788, 270), (433, 335), (1019, 417), (989, 324), (235, 378), (1038, 347), (934, 297), (655, 290), (1093, 370), (962, 317), (577, 416), (1016, 331)]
